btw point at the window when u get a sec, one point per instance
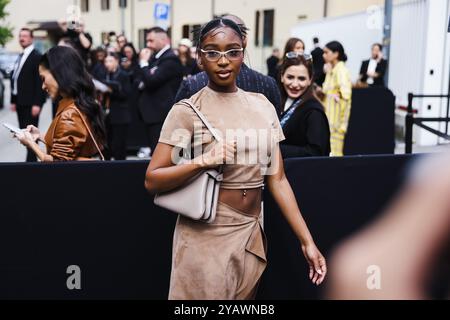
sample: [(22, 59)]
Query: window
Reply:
[(143, 38), (84, 6), (122, 3), (194, 27), (187, 30), (105, 4), (257, 18), (269, 16)]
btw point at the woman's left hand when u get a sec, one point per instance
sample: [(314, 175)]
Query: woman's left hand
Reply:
[(317, 264), (35, 133), (25, 138)]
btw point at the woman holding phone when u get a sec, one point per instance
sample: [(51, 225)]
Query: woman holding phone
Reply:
[(77, 132)]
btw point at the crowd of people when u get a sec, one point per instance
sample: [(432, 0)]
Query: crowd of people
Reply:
[(311, 93), (93, 101), (303, 105)]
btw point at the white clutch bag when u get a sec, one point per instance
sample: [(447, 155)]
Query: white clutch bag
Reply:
[(197, 199)]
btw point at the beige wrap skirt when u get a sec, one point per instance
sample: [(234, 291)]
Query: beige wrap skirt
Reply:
[(223, 260)]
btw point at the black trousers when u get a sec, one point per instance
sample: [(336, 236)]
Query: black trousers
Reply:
[(153, 131), (117, 141), (25, 119)]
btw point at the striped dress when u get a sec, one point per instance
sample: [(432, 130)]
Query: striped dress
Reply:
[(338, 84)]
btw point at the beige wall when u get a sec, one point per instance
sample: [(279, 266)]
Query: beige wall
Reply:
[(22, 12), (287, 13), (139, 15), (143, 13), (98, 21), (189, 12), (341, 7)]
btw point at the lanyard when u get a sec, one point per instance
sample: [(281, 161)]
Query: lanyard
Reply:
[(287, 115)]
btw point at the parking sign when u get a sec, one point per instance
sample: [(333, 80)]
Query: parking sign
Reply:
[(161, 11)]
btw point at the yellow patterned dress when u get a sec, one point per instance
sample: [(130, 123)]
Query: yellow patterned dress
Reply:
[(338, 99)]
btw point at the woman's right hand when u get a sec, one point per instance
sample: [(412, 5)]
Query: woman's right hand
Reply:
[(35, 133), (316, 262), (222, 153)]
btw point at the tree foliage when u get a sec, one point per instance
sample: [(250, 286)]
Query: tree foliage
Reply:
[(5, 30)]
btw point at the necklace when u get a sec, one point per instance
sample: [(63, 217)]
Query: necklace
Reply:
[(244, 192)]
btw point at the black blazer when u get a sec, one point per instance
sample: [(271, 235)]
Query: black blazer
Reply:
[(307, 132), (272, 70), (98, 71), (247, 79), (29, 83), (119, 109), (381, 70), (161, 80)]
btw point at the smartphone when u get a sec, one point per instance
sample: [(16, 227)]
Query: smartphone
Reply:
[(12, 128)]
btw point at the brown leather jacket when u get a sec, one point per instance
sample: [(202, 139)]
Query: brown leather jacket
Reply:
[(67, 138)]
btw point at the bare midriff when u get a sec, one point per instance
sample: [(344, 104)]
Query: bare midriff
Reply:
[(245, 200)]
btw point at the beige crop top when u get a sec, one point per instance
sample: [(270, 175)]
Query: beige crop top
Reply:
[(248, 118)]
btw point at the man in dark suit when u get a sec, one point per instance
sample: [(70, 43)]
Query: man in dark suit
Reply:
[(373, 70), (27, 96), (247, 79), (272, 63), (161, 75), (318, 62)]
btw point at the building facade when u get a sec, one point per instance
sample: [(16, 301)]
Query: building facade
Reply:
[(270, 21)]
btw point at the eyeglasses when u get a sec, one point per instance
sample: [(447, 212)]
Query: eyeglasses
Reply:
[(294, 54), (231, 55)]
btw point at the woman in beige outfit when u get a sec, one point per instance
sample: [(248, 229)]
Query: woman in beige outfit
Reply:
[(225, 259)]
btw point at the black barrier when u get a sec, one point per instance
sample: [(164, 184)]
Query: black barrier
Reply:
[(410, 120), (98, 216), (371, 128)]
